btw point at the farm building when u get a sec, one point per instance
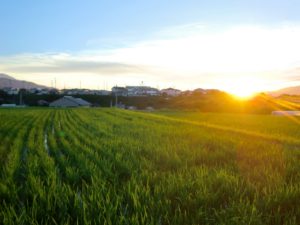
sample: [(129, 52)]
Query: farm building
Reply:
[(69, 101), (286, 113)]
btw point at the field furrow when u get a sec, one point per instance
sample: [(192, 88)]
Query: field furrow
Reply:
[(109, 166)]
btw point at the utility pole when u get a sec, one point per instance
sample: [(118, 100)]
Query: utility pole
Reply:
[(20, 100), (116, 99)]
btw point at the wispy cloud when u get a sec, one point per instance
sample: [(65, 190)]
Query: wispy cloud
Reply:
[(77, 66)]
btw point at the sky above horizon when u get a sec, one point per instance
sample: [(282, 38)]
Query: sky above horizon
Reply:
[(237, 46)]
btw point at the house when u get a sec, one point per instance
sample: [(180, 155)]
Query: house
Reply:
[(152, 92), (132, 90), (69, 101), (170, 92), (286, 113), (119, 91), (135, 91), (11, 91), (84, 92), (142, 91)]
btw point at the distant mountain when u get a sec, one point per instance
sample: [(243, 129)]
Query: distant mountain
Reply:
[(3, 75), (286, 91), (8, 81)]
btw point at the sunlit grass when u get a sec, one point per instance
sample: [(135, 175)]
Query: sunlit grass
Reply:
[(120, 167)]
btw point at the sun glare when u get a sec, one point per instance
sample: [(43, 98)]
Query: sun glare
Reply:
[(243, 87), (243, 93)]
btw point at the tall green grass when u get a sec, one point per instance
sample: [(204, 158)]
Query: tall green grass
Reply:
[(107, 166)]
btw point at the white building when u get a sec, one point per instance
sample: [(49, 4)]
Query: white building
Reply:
[(286, 113), (11, 91), (142, 91)]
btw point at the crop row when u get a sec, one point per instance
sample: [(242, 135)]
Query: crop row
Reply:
[(90, 166)]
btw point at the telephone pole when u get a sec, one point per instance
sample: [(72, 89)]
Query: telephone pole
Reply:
[(116, 99), (21, 99)]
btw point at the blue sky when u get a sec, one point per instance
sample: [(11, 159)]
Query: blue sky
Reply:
[(90, 30), (67, 25)]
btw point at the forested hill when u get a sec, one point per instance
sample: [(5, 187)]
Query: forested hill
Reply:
[(9, 81)]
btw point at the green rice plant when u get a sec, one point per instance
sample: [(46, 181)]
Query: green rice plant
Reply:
[(110, 166)]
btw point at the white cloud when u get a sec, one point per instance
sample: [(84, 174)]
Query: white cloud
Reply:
[(187, 56)]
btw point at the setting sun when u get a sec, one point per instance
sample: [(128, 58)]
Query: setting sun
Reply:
[(243, 93), (243, 87)]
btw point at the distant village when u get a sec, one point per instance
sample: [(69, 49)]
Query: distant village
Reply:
[(67, 98), (120, 91), (140, 98)]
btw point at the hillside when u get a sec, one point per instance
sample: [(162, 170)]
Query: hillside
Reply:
[(3, 75), (8, 81), (286, 91)]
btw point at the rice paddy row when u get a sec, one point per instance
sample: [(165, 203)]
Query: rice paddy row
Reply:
[(107, 166)]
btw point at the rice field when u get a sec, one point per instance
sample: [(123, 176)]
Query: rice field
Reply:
[(109, 166)]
